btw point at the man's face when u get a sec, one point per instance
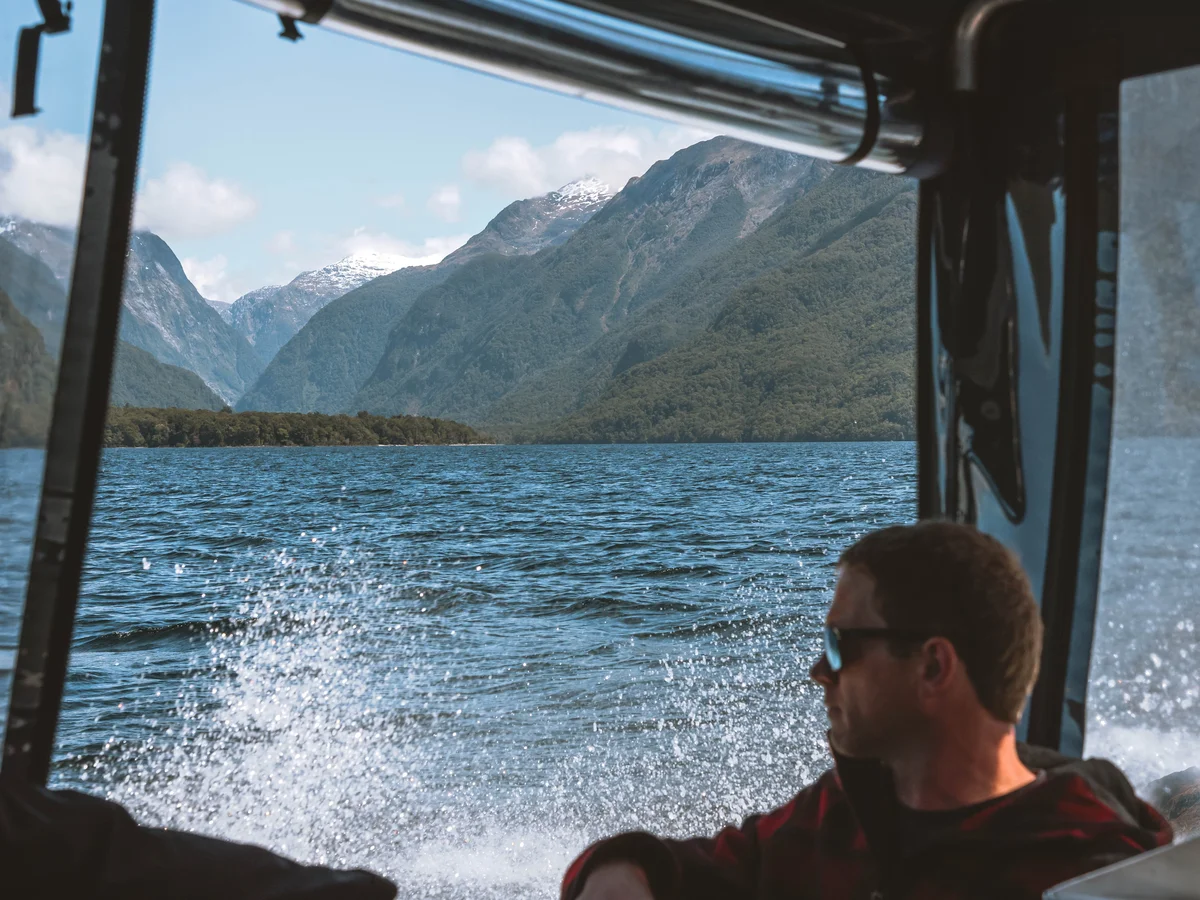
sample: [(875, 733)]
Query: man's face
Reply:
[(871, 702)]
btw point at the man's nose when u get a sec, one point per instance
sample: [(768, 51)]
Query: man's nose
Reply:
[(821, 673)]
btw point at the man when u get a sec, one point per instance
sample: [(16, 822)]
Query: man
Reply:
[(932, 645)]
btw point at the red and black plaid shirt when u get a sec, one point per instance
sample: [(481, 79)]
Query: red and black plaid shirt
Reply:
[(840, 838)]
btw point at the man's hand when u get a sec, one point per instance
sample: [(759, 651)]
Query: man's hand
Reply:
[(617, 881)]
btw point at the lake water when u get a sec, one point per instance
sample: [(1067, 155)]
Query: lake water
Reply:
[(459, 665)]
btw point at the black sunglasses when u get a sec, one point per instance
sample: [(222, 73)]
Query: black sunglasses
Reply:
[(836, 654)]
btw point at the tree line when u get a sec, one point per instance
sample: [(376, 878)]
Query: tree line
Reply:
[(136, 427)]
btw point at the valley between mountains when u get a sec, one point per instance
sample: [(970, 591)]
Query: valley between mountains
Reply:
[(730, 293)]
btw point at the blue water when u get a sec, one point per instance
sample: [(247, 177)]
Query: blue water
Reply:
[(459, 665)]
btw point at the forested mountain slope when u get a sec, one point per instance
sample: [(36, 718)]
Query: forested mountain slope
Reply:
[(321, 367), (839, 201), (139, 379), (162, 312), (270, 316), (27, 374), (39, 300), (499, 322), (818, 349)]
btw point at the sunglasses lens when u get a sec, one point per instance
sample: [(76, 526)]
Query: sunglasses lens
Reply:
[(833, 652)]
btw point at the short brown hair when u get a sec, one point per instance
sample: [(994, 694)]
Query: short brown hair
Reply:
[(955, 581)]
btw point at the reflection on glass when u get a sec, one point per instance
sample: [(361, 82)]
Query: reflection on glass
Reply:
[(1144, 696)]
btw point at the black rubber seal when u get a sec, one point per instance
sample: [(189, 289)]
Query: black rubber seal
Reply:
[(871, 127)]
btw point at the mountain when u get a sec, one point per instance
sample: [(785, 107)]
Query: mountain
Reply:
[(499, 323), (834, 201), (269, 316), (33, 289), (819, 348), (39, 295), (223, 308), (527, 226), (162, 313), (54, 246), (324, 365), (140, 380), (27, 374)]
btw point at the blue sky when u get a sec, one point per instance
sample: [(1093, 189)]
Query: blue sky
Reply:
[(262, 158)]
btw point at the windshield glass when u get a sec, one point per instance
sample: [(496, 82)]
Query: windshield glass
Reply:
[(474, 481), (1144, 697)]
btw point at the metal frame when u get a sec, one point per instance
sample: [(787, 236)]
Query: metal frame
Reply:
[(1016, 314), (81, 397), (762, 78), (1076, 537)]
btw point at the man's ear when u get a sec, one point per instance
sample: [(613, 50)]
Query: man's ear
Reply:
[(939, 664)]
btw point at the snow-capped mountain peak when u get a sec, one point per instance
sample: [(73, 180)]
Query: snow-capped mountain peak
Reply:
[(368, 264), (583, 192), (349, 272), (269, 317)]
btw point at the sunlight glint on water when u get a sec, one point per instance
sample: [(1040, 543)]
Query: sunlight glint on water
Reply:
[(497, 656)]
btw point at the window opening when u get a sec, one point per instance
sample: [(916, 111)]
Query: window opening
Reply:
[(1144, 696), (457, 664)]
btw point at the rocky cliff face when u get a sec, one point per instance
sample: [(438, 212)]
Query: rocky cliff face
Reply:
[(54, 246), (223, 308), (162, 312), (165, 315)]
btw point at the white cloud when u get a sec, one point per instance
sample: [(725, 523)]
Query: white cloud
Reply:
[(429, 251), (282, 242), (613, 154), (208, 275), (41, 178), (185, 203), (390, 201), (445, 203), (41, 174), (214, 281)]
